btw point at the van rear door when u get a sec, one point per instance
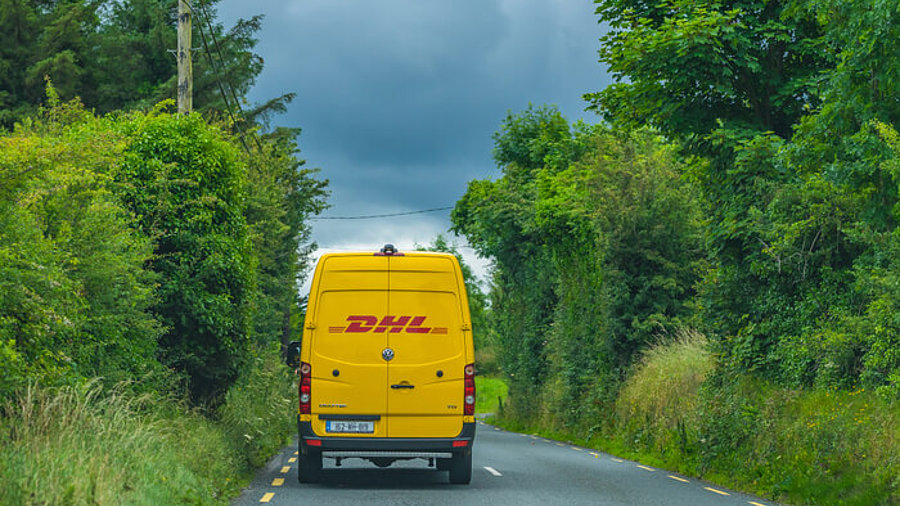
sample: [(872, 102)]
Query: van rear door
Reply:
[(425, 376), (349, 373)]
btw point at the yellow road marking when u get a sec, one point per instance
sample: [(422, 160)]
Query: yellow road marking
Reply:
[(645, 468), (560, 444), (754, 503), (677, 478), (617, 460), (576, 449), (292, 459), (277, 482), (716, 491), (268, 497), (596, 456), (295, 453), (285, 469)]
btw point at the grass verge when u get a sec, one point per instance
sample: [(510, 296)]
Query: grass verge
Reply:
[(675, 411), (88, 445), (491, 393)]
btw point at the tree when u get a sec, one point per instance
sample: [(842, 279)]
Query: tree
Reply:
[(694, 67), (184, 181), (281, 196), (594, 237), (115, 55), (779, 97)]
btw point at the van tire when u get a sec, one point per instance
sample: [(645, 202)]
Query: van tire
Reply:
[(461, 469), (309, 469)]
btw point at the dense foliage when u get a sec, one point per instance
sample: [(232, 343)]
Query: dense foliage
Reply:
[(75, 294), (769, 222), (129, 247), (595, 238), (793, 113), (745, 184)]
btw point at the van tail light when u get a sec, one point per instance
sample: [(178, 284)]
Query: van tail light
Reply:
[(305, 388), (469, 390)]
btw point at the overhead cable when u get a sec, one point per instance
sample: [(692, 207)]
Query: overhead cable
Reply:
[(373, 216)]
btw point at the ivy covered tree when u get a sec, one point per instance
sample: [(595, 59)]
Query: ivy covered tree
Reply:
[(594, 237), (184, 181)]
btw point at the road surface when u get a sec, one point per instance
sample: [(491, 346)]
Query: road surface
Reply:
[(508, 469)]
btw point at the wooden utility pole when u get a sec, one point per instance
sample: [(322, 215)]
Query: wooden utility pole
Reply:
[(185, 69)]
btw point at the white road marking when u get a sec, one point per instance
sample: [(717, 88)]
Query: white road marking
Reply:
[(492, 471)]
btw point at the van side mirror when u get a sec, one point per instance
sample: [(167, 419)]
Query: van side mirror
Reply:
[(292, 355)]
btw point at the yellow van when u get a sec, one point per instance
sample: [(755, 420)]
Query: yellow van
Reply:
[(386, 363)]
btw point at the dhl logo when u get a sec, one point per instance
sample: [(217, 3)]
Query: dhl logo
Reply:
[(392, 324)]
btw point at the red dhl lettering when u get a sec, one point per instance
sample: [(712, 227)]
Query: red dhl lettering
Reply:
[(359, 324)]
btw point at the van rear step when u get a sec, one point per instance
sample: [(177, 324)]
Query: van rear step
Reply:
[(390, 455)]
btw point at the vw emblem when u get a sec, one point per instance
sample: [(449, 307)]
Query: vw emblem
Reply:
[(387, 354)]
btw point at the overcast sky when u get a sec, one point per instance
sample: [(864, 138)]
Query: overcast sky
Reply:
[(398, 99)]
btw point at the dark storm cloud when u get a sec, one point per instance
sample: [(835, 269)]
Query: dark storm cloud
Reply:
[(398, 99)]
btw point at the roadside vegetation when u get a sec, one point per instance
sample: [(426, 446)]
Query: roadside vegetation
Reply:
[(149, 261), (707, 279), (89, 443)]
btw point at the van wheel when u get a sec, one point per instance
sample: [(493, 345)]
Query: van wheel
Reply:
[(461, 469), (310, 468)]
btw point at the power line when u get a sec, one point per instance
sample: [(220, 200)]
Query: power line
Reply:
[(215, 71), (372, 216)]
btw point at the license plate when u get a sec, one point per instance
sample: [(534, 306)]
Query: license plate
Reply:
[(349, 427)]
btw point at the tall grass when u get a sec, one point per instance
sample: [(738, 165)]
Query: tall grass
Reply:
[(666, 385), (88, 445), (259, 414), (657, 407)]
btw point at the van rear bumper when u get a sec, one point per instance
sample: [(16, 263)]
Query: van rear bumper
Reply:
[(389, 447)]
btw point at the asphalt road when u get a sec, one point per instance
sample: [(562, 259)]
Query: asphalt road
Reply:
[(508, 469)]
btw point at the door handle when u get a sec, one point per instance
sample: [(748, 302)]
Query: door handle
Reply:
[(402, 385)]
